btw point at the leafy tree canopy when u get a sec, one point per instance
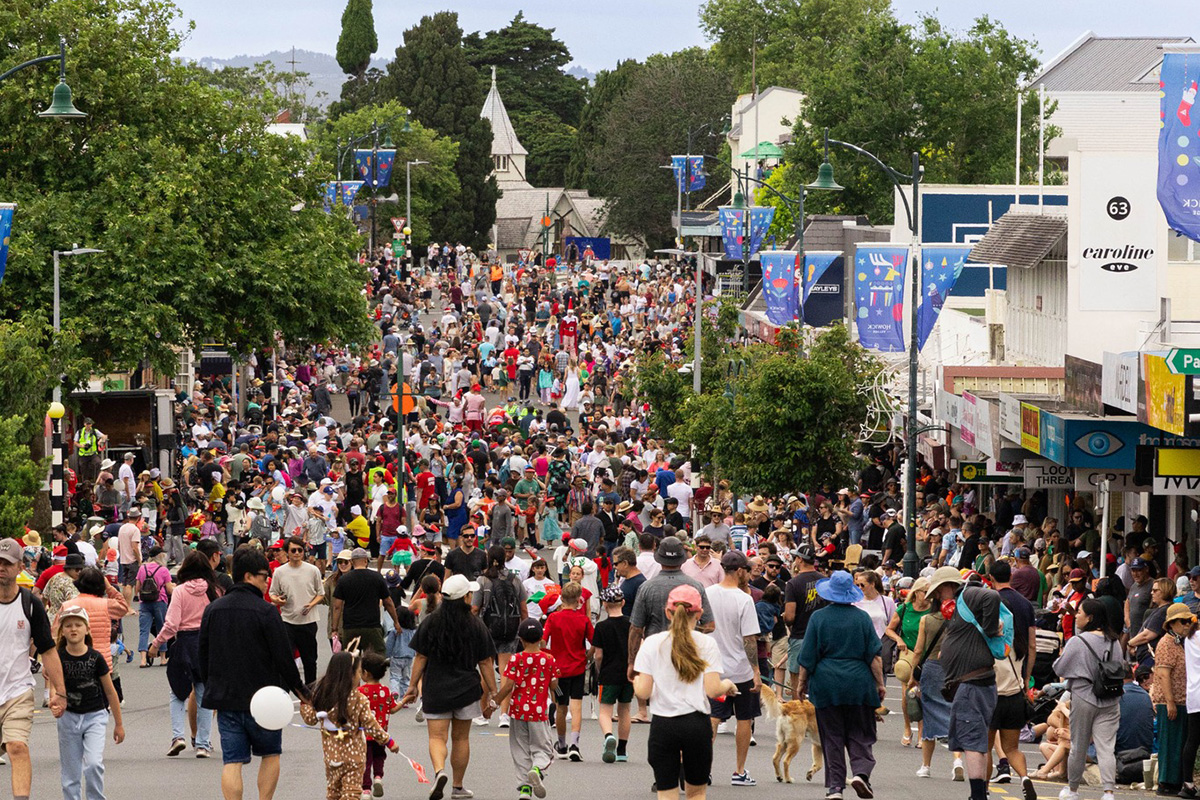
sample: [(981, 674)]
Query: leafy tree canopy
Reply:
[(358, 41), (608, 86), (550, 143)]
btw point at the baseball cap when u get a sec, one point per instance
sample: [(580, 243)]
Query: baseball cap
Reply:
[(1139, 563), (1194, 572), (612, 594), (1021, 552), (530, 630), (344, 555), (457, 587), (686, 594), (805, 553), (1084, 554), (670, 552), (429, 547), (1039, 544), (771, 559), (359, 553), (734, 559), (11, 551), (78, 612), (890, 563), (1076, 575)]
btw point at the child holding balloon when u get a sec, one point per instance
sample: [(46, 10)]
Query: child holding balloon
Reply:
[(344, 715)]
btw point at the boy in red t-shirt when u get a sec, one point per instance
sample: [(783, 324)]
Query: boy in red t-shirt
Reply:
[(529, 677), (569, 632), (383, 703)]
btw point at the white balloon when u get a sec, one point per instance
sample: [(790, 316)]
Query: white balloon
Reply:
[(278, 494), (271, 708)]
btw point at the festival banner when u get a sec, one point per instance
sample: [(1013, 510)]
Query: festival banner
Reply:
[(780, 268), (733, 228), (1179, 142), (760, 223), (363, 163), (349, 191), (329, 190), (384, 159), (6, 218), (879, 272), (940, 267), (696, 177), (815, 265), (679, 166)]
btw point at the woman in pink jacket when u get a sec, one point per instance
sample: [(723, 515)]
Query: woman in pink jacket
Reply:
[(104, 604), (196, 587)]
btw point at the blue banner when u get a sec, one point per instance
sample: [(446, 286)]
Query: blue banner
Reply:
[(384, 159), (696, 175), (6, 218), (349, 190), (879, 272), (363, 163), (733, 229), (940, 267), (760, 223), (780, 268), (1179, 144), (330, 195), (815, 265), (601, 246), (679, 167)]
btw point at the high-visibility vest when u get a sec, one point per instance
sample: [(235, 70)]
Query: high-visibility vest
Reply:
[(87, 442), (497, 272)]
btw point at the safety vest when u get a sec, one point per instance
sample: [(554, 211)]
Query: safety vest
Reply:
[(87, 442), (497, 272)]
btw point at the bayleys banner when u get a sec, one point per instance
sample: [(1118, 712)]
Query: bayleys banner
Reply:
[(815, 265), (1179, 142), (879, 271)]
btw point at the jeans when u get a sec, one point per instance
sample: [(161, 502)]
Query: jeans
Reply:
[(81, 753), (150, 622), (179, 719), (400, 673), (304, 639)]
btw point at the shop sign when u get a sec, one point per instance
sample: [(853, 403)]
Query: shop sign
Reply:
[(1039, 474), (1119, 480), (949, 408), (1162, 396), (1031, 427), (1176, 486), (1010, 417), (1119, 381), (1051, 438), (967, 429), (977, 472), (1082, 382)]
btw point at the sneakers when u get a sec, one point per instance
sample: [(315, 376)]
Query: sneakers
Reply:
[(438, 790), (622, 758), (1108, 795), (862, 787), (459, 793), (610, 749), (420, 716), (1003, 773), (177, 747), (742, 779), (503, 721), (481, 721), (524, 793), (833, 796), (1067, 794), (560, 750), (574, 754), (1028, 788), (1188, 791), (753, 742), (956, 772), (3, 760), (202, 753), (726, 726), (535, 776), (377, 788), (923, 772)]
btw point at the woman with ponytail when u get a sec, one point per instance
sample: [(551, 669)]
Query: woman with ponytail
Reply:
[(678, 670)]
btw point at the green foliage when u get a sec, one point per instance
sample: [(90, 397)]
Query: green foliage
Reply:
[(657, 382), (431, 75), (685, 90), (20, 477), (550, 143), (181, 186), (430, 182), (265, 89), (529, 64), (608, 86), (369, 89), (358, 41)]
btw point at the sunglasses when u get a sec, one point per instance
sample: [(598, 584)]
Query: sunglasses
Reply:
[(295, 550), (704, 547)]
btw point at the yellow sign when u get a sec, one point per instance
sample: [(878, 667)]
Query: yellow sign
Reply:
[(1031, 427), (1163, 397), (1178, 463)]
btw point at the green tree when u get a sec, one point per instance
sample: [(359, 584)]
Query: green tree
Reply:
[(530, 73), (589, 139), (21, 477), (369, 90), (267, 90), (655, 381), (431, 75), (358, 41), (685, 90), (181, 186), (550, 143)]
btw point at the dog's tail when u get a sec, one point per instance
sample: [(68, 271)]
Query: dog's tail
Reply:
[(771, 703)]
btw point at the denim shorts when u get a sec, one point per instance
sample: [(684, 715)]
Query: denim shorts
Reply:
[(242, 737), (971, 716), (385, 544)]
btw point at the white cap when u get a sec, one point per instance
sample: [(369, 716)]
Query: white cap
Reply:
[(457, 587)]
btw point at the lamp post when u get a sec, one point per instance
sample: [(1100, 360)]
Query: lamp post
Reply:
[(57, 495), (912, 212), (61, 105)]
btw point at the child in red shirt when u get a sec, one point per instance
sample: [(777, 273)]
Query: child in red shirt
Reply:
[(528, 677), (383, 703), (569, 632)]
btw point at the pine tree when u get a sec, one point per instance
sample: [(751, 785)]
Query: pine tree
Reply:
[(358, 41), (431, 76)]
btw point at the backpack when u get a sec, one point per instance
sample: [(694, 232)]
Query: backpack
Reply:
[(148, 590), (1108, 676), (1000, 644), (505, 471), (503, 613), (260, 528)]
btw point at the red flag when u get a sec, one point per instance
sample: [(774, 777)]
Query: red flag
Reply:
[(417, 768)]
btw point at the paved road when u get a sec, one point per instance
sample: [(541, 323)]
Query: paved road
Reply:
[(140, 768)]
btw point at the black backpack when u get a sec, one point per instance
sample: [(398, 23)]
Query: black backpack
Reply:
[(1108, 676), (503, 612), (148, 591)]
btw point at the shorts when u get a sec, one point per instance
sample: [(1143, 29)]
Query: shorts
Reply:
[(16, 720), (680, 745), (616, 693), (569, 688), (1011, 714), (242, 737), (385, 544), (508, 647), (127, 574), (971, 717), (794, 655), (319, 551), (779, 651), (744, 705), (470, 711)]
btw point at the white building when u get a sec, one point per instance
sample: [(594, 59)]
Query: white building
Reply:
[(765, 120)]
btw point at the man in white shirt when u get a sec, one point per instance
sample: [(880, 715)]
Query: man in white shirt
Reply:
[(682, 492), (126, 482), (645, 557), (296, 589), (736, 633)]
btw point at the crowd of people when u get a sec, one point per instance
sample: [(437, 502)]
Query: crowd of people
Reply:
[(519, 549)]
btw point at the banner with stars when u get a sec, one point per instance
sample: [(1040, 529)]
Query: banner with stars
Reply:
[(940, 267), (780, 268), (733, 229), (696, 177), (6, 218), (879, 279), (760, 223), (1179, 142), (349, 191)]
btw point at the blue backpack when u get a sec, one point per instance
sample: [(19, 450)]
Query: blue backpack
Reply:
[(1000, 644)]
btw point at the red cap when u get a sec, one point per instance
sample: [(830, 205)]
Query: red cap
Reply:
[(687, 595), (60, 550), (1076, 575)]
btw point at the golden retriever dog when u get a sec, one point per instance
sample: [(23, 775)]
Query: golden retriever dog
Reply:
[(792, 720)]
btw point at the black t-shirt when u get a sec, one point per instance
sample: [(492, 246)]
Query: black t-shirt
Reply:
[(629, 587), (802, 590), (361, 590), (81, 676), (874, 537), (1023, 618), (612, 637), (450, 685), (469, 565), (893, 540)]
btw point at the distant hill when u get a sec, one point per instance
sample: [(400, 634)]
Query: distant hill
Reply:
[(580, 72), (322, 69)]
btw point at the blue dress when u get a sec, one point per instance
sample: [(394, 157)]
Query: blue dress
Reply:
[(457, 517), (839, 645)]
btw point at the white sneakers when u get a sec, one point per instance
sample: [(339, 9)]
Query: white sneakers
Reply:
[(923, 772), (480, 721), (957, 772), (1067, 794)]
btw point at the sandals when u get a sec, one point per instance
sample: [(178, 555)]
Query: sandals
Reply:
[(906, 741)]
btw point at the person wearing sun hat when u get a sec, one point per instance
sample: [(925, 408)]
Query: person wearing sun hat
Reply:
[(841, 672)]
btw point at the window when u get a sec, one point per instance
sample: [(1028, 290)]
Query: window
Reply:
[(1181, 248), (500, 163)]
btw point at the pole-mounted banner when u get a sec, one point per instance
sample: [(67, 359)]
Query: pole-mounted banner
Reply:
[(6, 217)]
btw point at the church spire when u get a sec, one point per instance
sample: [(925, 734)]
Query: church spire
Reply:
[(504, 138)]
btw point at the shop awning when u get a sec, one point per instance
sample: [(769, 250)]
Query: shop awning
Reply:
[(764, 150), (1020, 240)]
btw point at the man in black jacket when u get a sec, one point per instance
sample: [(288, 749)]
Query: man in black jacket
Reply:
[(244, 647)]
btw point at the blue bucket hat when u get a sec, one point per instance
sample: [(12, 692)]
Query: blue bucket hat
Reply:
[(839, 588)]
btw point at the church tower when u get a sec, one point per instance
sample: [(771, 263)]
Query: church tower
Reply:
[(508, 155)]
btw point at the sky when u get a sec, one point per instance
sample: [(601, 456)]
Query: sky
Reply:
[(601, 33)]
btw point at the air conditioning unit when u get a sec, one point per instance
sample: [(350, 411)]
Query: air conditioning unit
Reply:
[(996, 306)]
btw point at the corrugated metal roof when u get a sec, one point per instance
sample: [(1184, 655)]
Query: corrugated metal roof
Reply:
[(504, 138), (1108, 64), (1020, 240)]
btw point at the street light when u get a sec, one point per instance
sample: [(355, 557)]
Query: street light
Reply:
[(912, 212), (61, 105), (75, 251)]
